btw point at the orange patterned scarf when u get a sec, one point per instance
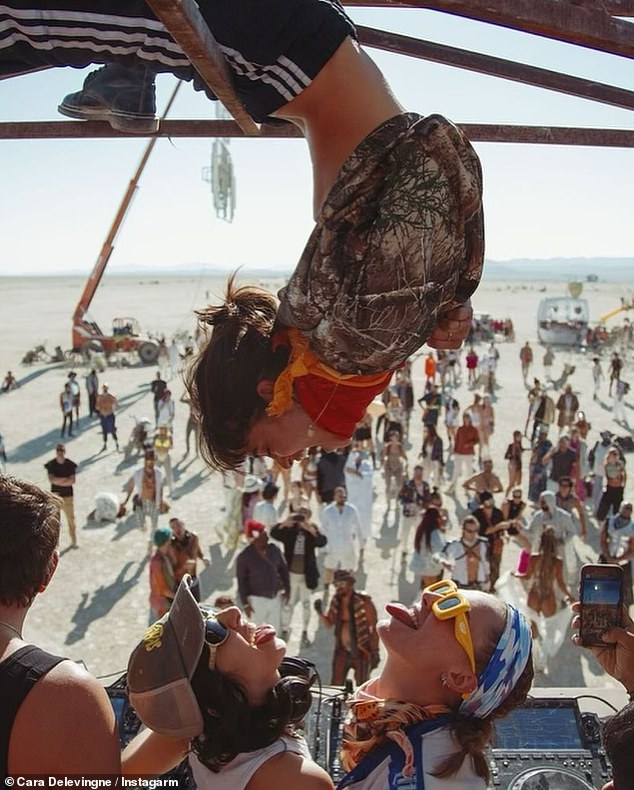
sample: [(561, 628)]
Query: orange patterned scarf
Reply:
[(371, 720)]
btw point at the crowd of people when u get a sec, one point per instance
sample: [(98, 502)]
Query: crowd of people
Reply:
[(296, 541), (322, 523), (213, 685), (293, 380)]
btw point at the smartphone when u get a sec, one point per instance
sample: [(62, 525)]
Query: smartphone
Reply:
[(601, 598)]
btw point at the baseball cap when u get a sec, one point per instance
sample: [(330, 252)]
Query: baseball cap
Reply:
[(253, 528), (162, 665)]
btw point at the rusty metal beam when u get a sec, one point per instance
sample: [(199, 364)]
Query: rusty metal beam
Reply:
[(613, 7), (497, 67), (584, 23), (485, 133), (190, 31), (619, 7)]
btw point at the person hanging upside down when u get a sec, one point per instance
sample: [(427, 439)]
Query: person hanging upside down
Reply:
[(398, 243)]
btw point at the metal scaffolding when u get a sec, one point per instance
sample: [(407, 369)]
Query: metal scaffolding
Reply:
[(600, 25)]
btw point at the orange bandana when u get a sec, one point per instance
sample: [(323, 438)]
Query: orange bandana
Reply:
[(334, 401), (371, 720), (302, 362)]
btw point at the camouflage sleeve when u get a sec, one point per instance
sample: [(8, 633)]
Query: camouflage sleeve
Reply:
[(399, 241)]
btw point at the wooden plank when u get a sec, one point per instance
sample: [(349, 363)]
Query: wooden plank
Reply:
[(486, 133), (190, 31), (584, 23), (497, 67)]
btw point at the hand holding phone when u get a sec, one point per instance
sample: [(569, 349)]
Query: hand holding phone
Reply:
[(616, 655), (601, 602)]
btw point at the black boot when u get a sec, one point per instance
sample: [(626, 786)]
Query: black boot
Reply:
[(123, 96)]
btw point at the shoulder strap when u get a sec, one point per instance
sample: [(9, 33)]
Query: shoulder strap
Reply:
[(390, 750), (18, 674)]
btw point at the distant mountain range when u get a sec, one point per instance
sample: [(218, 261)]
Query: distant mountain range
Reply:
[(617, 270), (559, 269), (606, 269)]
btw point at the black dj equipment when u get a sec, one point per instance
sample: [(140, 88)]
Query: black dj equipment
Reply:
[(323, 727), (128, 723), (548, 744)]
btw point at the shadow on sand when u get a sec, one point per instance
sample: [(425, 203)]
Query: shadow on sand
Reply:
[(36, 446), (96, 605)]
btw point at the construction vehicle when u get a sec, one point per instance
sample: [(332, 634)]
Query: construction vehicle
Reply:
[(626, 304), (126, 334)]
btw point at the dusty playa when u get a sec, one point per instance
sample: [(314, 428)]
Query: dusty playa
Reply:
[(97, 605)]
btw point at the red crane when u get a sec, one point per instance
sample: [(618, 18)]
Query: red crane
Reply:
[(126, 333)]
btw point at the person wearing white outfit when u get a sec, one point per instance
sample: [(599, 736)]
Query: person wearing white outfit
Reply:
[(359, 471), (341, 525), (146, 484), (618, 412), (549, 514), (165, 412), (174, 358)]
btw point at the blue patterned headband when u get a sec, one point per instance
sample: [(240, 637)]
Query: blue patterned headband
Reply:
[(504, 668)]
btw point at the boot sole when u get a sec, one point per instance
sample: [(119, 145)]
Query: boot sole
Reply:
[(122, 122)]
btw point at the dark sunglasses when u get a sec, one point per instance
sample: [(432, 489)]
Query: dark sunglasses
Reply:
[(215, 635)]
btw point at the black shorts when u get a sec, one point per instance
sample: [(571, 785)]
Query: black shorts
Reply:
[(274, 48), (361, 434)]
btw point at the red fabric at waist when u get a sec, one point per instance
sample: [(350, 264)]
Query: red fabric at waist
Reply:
[(335, 406)]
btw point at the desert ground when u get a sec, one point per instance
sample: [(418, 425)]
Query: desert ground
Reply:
[(96, 607)]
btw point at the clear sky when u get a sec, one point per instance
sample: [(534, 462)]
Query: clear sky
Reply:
[(59, 197)]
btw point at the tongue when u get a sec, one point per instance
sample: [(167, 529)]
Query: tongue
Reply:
[(264, 633), (400, 613)]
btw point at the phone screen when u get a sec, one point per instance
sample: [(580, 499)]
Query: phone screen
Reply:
[(600, 605)]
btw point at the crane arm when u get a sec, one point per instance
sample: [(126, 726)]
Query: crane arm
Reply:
[(625, 305), (108, 246), (610, 313)]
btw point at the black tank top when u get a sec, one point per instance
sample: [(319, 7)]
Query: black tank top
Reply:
[(18, 674)]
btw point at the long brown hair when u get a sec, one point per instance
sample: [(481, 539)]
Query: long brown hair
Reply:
[(473, 735), (233, 725), (548, 560), (430, 521), (223, 377)]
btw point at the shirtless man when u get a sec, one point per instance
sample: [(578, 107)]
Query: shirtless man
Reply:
[(106, 404), (486, 480), (356, 644)]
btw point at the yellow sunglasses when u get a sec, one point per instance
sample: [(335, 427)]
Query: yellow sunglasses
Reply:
[(453, 604)]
